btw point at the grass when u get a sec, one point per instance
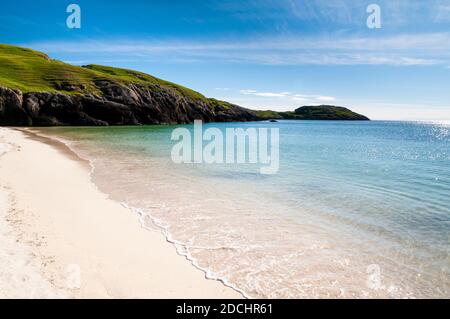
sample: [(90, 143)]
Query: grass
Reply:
[(326, 112), (215, 103), (130, 76), (32, 71), (268, 115), (318, 112)]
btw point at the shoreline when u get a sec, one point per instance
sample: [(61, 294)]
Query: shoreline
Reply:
[(65, 147), (90, 246)]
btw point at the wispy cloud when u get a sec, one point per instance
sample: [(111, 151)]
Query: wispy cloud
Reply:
[(340, 11), (312, 98), (442, 13), (265, 94), (407, 50), (337, 13)]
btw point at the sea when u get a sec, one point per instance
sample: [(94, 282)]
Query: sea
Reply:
[(355, 210)]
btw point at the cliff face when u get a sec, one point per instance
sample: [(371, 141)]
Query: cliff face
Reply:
[(36, 90), (118, 104)]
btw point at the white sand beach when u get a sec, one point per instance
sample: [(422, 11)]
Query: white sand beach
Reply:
[(61, 237)]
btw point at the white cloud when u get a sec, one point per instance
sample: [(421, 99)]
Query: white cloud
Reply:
[(265, 94), (299, 99), (400, 50), (270, 94), (326, 98), (442, 13), (312, 98), (336, 14), (247, 92)]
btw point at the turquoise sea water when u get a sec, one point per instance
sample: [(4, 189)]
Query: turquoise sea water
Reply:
[(357, 209)]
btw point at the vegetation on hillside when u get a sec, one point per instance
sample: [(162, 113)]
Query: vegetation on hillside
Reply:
[(32, 71), (317, 112), (27, 70)]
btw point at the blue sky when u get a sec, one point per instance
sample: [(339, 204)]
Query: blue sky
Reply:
[(262, 54)]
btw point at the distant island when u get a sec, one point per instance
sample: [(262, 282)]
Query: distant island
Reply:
[(36, 90), (318, 112)]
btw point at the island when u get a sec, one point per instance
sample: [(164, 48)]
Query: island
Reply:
[(315, 112)]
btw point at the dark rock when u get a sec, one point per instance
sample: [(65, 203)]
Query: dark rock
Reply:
[(70, 87), (118, 104), (11, 110)]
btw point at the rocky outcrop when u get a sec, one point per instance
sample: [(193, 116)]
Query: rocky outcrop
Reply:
[(11, 108), (314, 113), (327, 113), (113, 104)]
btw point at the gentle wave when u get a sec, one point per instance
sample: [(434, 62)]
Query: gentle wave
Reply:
[(348, 199)]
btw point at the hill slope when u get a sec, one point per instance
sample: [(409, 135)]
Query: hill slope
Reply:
[(36, 90), (319, 112)]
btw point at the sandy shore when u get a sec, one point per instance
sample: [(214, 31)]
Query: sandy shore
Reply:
[(61, 237)]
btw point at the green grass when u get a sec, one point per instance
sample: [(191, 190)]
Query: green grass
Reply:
[(318, 112), (215, 103), (268, 115), (32, 71), (130, 76), (326, 112)]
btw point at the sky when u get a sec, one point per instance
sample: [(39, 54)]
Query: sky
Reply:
[(261, 54)]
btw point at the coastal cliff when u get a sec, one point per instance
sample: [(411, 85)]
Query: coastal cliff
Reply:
[(36, 90), (118, 105)]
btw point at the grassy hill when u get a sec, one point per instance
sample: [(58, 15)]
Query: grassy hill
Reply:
[(32, 71), (316, 112), (38, 90)]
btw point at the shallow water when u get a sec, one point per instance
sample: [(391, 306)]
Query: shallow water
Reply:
[(357, 209)]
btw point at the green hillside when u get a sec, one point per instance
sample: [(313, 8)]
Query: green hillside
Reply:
[(32, 71), (316, 112)]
